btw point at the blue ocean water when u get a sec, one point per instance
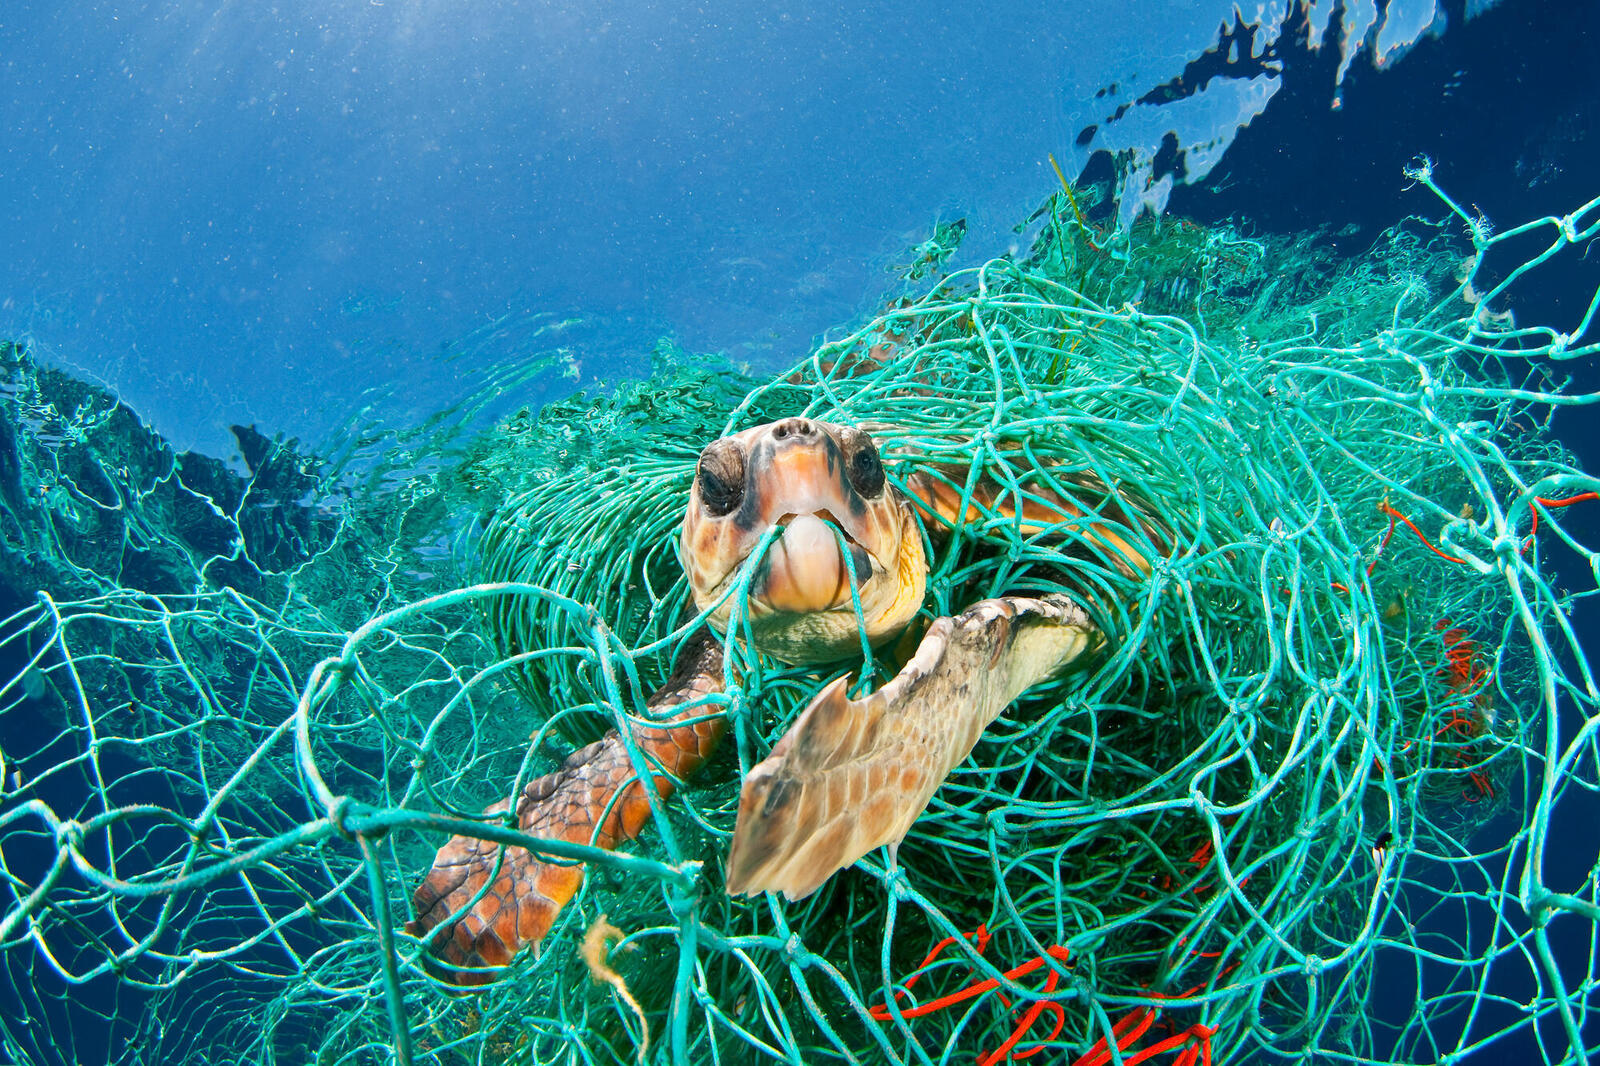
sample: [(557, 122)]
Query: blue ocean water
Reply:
[(291, 216), (262, 214)]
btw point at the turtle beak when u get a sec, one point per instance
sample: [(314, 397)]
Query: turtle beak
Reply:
[(805, 571)]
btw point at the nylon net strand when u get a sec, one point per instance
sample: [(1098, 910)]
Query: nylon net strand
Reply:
[(1300, 807)]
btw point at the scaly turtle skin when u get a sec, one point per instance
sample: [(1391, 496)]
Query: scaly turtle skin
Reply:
[(594, 798), (850, 775), (798, 475)]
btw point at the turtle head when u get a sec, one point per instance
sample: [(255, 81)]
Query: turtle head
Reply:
[(802, 476)]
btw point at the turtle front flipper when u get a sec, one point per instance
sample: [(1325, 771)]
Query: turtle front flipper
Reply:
[(579, 803), (852, 775)]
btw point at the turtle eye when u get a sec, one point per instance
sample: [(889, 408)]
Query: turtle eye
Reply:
[(721, 477), (863, 466)]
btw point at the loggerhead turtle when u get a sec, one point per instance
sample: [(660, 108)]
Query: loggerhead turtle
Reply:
[(851, 774)]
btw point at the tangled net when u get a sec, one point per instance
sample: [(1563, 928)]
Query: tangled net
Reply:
[(1299, 809)]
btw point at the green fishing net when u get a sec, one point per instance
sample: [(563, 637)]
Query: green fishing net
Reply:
[(1298, 810)]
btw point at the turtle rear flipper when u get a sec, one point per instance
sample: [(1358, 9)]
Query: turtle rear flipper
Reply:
[(579, 803), (852, 775)]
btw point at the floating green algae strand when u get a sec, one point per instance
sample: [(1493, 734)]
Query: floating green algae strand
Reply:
[(1298, 767)]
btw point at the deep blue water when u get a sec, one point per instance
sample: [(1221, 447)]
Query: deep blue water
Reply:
[(257, 213), (278, 214)]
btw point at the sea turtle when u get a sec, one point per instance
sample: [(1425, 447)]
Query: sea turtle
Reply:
[(851, 774)]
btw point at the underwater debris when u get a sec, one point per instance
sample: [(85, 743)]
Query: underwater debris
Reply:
[(1214, 782), (594, 952)]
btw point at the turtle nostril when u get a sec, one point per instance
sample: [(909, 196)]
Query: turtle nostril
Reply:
[(798, 428)]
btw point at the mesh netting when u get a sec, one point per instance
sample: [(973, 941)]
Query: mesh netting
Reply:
[(1300, 806)]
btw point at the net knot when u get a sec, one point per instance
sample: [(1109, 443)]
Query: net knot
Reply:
[(338, 811), (69, 834), (795, 950), (683, 895)]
